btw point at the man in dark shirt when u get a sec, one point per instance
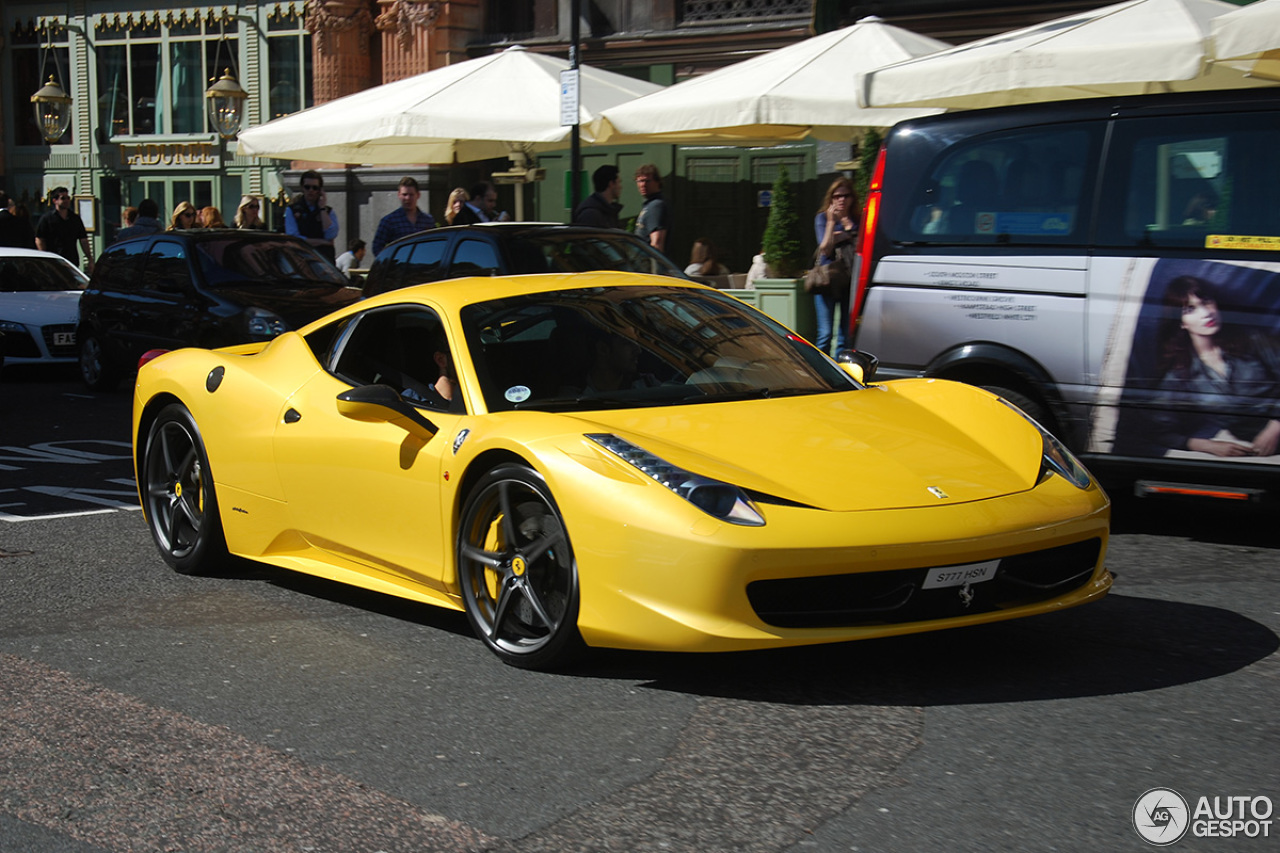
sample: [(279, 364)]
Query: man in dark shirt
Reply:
[(654, 220), (15, 230), (406, 219), (59, 230), (311, 218), (481, 208), (601, 208)]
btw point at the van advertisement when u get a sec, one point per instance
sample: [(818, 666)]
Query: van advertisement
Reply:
[(1192, 368)]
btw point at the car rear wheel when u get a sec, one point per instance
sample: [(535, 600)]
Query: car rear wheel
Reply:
[(182, 509), (97, 374), (516, 568)]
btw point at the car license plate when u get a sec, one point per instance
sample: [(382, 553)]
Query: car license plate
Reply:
[(960, 575), (64, 339)]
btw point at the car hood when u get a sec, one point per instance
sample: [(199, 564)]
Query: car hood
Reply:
[(40, 308), (883, 447), (296, 304)]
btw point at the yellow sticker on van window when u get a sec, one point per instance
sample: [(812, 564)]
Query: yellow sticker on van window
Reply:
[(1237, 241)]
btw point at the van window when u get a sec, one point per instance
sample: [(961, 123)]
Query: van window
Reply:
[(1022, 187), (1186, 178)]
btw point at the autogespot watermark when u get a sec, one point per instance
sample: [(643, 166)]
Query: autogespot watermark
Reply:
[(1162, 817)]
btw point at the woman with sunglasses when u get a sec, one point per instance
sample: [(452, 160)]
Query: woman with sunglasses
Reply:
[(248, 215), (184, 216), (836, 226)]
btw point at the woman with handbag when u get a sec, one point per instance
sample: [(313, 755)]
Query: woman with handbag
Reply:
[(836, 227)]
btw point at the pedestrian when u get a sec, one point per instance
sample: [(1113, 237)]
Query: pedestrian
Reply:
[(184, 216), (654, 219), (146, 222), (836, 230), (601, 209), (15, 230), (248, 214), (310, 216), (129, 216), (60, 230), (211, 217), (704, 260), (457, 200), (480, 207), (352, 257), (406, 219)]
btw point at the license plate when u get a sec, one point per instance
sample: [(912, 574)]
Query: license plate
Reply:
[(64, 339), (960, 575)]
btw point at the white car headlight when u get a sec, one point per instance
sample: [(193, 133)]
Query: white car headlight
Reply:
[(1055, 457), (721, 500)]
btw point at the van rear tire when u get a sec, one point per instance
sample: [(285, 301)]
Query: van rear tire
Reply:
[(1033, 408)]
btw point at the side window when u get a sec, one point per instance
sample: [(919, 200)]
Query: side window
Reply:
[(404, 347), (120, 268), (1024, 186), (474, 257), (166, 267), (424, 262), (1193, 181)]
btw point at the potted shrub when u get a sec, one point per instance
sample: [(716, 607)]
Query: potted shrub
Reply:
[(782, 295), (783, 244)]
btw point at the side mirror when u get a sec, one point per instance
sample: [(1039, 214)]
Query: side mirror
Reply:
[(381, 404), (860, 365)]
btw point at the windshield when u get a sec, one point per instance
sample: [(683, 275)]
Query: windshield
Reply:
[(235, 260), (27, 274), (616, 347), (578, 252)]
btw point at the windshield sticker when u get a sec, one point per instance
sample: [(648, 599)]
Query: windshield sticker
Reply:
[(1238, 241), (518, 393), (1042, 224)]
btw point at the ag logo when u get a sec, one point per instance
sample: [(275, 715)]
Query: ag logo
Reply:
[(1161, 816)]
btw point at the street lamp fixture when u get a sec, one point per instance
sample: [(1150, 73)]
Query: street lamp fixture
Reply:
[(52, 104), (225, 99), (53, 110)]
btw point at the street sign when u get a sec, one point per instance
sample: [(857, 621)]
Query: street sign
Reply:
[(569, 103)]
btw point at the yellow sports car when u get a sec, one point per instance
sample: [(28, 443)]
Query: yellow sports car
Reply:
[(612, 460)]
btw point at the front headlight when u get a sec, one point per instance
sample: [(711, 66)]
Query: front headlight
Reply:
[(263, 323), (16, 328), (1055, 458), (721, 500)]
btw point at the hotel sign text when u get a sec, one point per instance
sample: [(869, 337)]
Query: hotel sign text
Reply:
[(171, 155)]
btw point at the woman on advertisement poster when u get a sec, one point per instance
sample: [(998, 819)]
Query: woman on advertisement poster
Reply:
[(1219, 390)]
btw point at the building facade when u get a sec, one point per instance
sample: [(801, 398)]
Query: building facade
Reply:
[(137, 78)]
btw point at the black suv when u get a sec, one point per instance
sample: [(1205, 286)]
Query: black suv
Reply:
[(205, 288), (511, 248)]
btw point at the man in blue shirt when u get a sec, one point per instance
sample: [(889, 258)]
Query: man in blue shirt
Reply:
[(310, 218), (405, 220)]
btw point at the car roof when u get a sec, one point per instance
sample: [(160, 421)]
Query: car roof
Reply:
[(203, 234), (10, 252), (510, 229), (458, 292)]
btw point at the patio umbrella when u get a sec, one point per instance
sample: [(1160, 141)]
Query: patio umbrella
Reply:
[(494, 106), (1248, 39), (1129, 48), (806, 88)]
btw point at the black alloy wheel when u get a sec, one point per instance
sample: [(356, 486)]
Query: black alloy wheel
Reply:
[(516, 568), (181, 507)]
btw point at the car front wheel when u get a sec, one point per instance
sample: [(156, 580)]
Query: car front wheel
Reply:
[(182, 509), (516, 568)]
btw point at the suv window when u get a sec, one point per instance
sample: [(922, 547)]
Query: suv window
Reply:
[(120, 267), (1019, 187), (167, 266), (1193, 182), (474, 257)]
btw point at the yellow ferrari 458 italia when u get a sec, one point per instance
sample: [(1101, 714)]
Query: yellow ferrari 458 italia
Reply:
[(612, 460)]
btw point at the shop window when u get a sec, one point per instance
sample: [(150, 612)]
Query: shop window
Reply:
[(152, 71)]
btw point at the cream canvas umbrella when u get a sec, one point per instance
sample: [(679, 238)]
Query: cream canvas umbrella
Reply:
[(494, 106), (1248, 39), (806, 88), (1129, 48)]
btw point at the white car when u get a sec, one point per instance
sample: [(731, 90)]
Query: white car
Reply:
[(39, 307)]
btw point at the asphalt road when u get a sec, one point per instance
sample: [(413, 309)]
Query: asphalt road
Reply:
[(145, 711)]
